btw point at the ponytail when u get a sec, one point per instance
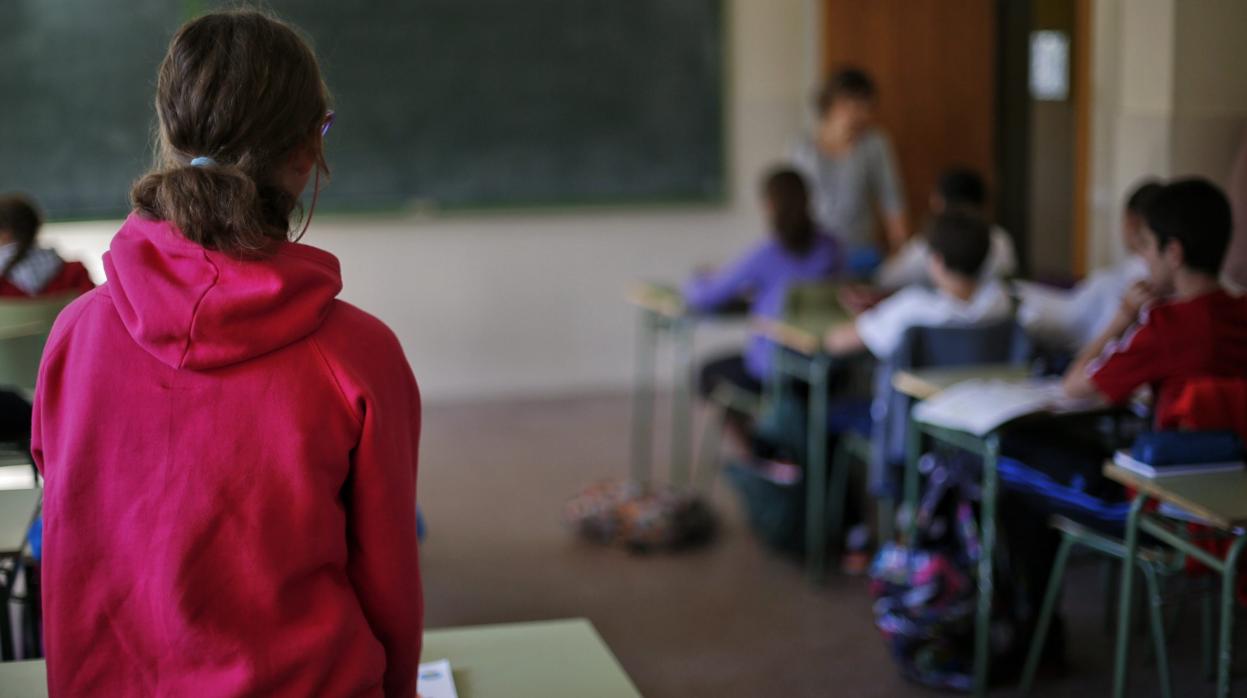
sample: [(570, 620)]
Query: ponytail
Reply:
[(237, 95), (218, 207)]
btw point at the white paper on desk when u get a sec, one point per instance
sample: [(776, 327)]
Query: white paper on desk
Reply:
[(979, 406), (436, 680)]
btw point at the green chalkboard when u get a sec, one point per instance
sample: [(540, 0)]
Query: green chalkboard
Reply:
[(451, 103)]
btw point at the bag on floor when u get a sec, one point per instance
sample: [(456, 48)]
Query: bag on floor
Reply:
[(774, 507), (926, 595), (640, 518)]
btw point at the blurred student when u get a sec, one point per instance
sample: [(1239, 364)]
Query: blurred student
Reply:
[(229, 450), (1180, 322), (852, 170), (959, 243), (958, 189), (26, 269), (796, 251), (1071, 320)]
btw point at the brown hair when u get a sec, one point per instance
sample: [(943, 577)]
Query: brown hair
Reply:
[(243, 89), (962, 239), (848, 82), (790, 210), (20, 218)]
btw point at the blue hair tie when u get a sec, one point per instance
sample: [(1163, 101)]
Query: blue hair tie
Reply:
[(203, 161)]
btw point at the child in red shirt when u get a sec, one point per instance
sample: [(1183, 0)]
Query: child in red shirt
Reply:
[(1179, 323), (26, 269)]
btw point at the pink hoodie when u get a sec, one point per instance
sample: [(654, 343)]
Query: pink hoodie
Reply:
[(230, 506)]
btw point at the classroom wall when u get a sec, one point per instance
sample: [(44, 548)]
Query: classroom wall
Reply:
[(1210, 86), (1170, 99), (532, 303), (1132, 110)]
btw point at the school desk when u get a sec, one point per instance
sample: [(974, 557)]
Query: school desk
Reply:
[(810, 311), (530, 660), (16, 509), (921, 384), (1220, 500), (662, 312), (924, 384), (520, 660)]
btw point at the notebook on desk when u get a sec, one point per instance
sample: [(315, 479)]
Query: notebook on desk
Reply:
[(980, 406)]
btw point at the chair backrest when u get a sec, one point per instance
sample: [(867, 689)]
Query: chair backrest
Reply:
[(24, 327), (1210, 403), (1002, 342), (938, 347)]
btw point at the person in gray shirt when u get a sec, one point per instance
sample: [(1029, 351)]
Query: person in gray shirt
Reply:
[(851, 167)]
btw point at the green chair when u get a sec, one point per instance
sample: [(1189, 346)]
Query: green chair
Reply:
[(1151, 563)]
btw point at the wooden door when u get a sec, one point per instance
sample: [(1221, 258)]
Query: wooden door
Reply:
[(934, 64)]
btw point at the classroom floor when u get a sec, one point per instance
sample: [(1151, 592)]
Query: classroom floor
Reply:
[(729, 620)]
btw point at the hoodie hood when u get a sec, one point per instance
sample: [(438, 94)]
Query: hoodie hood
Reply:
[(200, 309)]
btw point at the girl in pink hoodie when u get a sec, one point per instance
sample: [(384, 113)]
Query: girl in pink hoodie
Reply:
[(229, 450)]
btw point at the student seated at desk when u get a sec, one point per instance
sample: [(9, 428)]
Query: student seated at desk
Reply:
[(1180, 322), (1071, 320), (25, 268), (796, 252), (958, 189), (959, 244), (1176, 325)]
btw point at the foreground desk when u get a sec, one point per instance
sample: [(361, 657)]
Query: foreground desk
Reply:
[(523, 660), (810, 311), (1220, 500)]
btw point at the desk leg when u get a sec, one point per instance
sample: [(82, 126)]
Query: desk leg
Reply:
[(816, 470), (983, 616), (643, 398), (1125, 602), (913, 453), (681, 402), (1225, 653)]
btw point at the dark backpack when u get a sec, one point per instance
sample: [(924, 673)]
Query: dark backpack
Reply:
[(926, 595)]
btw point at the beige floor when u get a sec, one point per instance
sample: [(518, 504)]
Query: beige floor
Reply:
[(729, 620)]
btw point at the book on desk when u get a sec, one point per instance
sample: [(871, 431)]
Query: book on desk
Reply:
[(980, 406)]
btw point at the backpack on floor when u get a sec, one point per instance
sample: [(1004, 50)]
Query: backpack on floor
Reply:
[(640, 518), (926, 595)]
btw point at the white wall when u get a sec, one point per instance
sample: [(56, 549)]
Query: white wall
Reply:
[(1132, 110), (1170, 99), (496, 304)]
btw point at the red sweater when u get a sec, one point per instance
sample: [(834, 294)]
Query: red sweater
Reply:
[(230, 463)]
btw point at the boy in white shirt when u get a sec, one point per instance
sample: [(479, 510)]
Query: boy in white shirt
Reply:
[(1070, 320), (959, 243), (958, 189)]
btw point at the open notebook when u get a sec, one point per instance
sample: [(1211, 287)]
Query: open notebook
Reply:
[(980, 406)]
